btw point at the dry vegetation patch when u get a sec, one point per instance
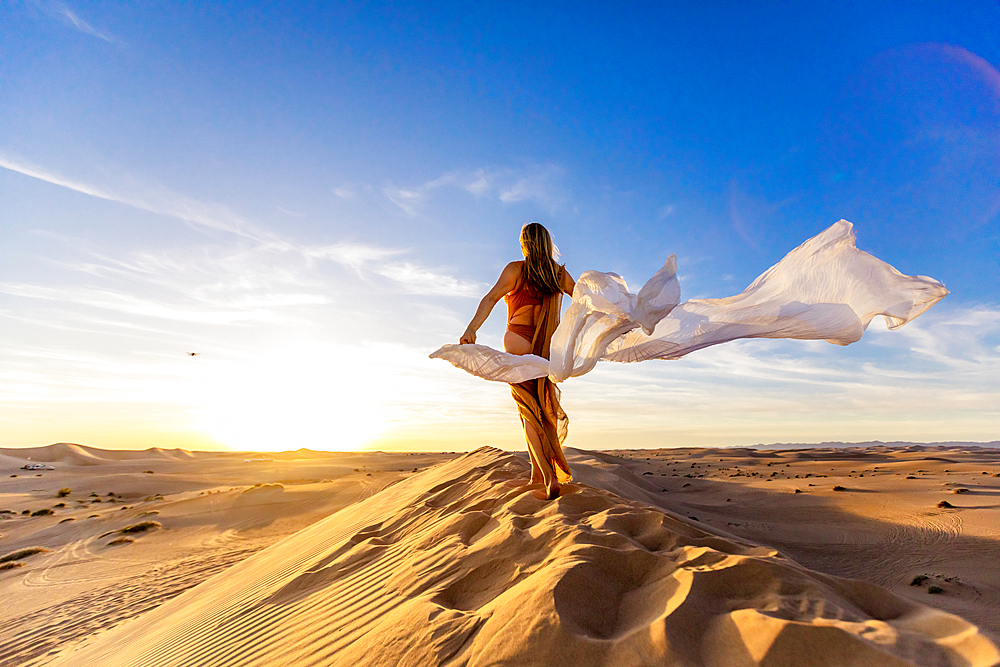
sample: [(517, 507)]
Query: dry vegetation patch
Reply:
[(22, 553), (141, 527)]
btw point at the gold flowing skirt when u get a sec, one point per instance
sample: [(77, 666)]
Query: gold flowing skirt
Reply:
[(538, 400)]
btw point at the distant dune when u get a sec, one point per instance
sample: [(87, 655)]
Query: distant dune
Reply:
[(80, 455), (993, 444)]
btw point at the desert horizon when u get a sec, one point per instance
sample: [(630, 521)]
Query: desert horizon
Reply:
[(52, 449)]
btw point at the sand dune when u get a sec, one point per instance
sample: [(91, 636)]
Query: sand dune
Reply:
[(458, 566), (67, 453), (215, 509)]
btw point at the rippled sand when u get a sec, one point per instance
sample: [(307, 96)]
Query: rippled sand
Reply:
[(676, 557)]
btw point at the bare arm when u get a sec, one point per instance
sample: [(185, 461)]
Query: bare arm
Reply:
[(505, 283), (566, 282)]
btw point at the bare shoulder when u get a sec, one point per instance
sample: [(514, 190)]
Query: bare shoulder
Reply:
[(506, 282), (512, 272)]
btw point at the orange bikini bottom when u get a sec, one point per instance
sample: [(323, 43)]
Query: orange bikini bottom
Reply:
[(525, 331)]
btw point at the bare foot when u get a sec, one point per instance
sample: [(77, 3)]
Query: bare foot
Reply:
[(552, 490)]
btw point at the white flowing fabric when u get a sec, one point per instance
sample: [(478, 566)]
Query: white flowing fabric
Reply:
[(825, 289)]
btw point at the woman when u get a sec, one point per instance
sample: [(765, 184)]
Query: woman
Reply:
[(533, 289)]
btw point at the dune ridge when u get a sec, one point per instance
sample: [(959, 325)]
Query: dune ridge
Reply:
[(454, 566), (69, 453)]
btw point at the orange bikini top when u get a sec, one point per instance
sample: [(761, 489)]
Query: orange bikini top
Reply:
[(526, 296)]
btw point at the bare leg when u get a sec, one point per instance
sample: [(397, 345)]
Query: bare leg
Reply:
[(552, 487)]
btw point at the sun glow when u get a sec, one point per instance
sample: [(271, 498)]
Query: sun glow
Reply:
[(316, 399)]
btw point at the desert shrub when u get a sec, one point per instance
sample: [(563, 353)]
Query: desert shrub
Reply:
[(148, 472), (22, 553), (120, 540), (960, 491), (59, 505), (140, 527), (839, 488), (65, 491), (944, 504), (42, 512), (934, 590), (919, 580), (149, 512), (69, 518), (10, 565)]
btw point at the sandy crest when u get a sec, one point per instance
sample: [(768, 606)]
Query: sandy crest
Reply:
[(215, 509), (457, 566)]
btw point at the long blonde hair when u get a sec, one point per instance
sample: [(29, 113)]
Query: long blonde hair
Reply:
[(540, 269)]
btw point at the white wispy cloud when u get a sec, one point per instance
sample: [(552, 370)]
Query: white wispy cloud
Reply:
[(408, 200), (275, 283), (157, 200), (960, 338), (538, 183), (62, 13), (357, 256), (420, 280), (72, 19), (265, 248), (413, 278), (201, 310)]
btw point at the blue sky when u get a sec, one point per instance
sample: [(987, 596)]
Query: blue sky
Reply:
[(313, 198)]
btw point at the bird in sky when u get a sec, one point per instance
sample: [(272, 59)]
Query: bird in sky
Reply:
[(193, 354)]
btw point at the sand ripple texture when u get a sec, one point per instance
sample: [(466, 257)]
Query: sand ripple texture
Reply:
[(455, 566)]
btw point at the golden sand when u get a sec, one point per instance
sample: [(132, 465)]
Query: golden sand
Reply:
[(667, 557)]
